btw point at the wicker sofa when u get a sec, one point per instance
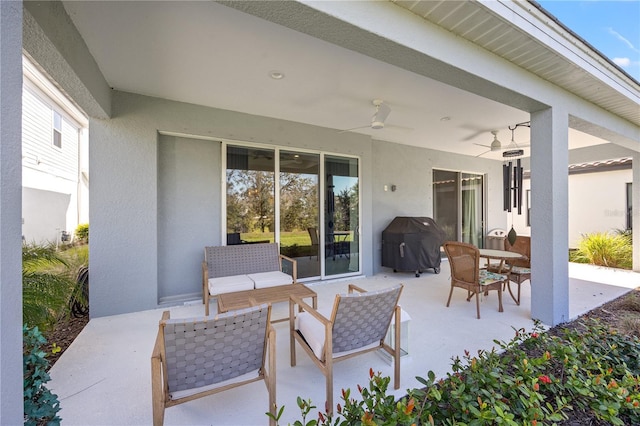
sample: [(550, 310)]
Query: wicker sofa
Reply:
[(241, 267)]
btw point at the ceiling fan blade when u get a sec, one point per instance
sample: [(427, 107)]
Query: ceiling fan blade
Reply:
[(480, 155), (401, 128), (476, 132), (355, 128), (479, 144)]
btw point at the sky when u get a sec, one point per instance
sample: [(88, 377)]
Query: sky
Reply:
[(611, 26)]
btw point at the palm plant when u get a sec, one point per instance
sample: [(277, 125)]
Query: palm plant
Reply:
[(45, 290)]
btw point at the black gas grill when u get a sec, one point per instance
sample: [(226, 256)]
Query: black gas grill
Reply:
[(412, 244)]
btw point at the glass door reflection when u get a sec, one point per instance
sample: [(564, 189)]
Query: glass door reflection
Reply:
[(341, 216), (250, 195), (299, 210)]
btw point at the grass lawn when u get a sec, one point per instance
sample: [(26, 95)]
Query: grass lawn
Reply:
[(287, 239)]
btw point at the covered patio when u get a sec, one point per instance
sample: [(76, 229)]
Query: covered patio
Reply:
[(104, 376), (168, 86)]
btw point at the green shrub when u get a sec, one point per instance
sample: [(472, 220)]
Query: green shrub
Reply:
[(77, 259), (40, 405), (604, 249), (82, 233), (536, 380), (46, 285)]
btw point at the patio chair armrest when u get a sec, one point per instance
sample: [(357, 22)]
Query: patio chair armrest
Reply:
[(294, 265), (205, 280), (271, 350), (157, 347), (159, 396), (205, 269), (304, 306), (353, 287)]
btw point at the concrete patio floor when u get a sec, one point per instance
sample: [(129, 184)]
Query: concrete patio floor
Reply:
[(104, 376)]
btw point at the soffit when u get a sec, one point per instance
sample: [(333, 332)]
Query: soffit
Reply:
[(603, 84)]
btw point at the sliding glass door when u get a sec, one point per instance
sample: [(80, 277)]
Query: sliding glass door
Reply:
[(458, 205), (277, 195), (341, 215), (250, 182), (299, 210), (471, 186)]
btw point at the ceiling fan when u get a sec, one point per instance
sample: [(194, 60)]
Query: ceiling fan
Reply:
[(496, 145), (378, 118), (511, 150)]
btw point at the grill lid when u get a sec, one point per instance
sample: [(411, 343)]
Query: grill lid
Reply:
[(414, 225)]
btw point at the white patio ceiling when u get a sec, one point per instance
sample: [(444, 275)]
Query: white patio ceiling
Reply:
[(209, 54)]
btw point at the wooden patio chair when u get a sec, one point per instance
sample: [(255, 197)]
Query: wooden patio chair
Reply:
[(520, 269), (358, 323), (196, 357), (464, 260)]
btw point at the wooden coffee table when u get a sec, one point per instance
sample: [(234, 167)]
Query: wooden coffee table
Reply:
[(258, 296)]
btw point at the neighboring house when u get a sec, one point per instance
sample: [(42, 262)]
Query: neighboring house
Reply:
[(54, 162), (600, 199)]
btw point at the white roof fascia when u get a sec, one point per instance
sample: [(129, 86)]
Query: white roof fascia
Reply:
[(35, 76), (545, 30)]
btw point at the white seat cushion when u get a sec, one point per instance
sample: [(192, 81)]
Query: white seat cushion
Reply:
[(229, 284), (270, 279), (313, 332)]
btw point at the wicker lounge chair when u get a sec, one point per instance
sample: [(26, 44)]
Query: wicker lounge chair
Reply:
[(464, 260), (358, 323), (197, 357)]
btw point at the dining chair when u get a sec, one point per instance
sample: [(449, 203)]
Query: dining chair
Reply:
[(196, 357), (464, 260), (357, 323), (315, 240), (520, 269)]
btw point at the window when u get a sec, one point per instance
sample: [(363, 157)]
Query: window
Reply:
[(629, 206), (57, 129)]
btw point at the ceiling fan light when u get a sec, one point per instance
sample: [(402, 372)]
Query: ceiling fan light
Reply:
[(495, 145), (377, 125)]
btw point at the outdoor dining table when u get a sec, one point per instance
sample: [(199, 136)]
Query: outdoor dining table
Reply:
[(501, 255)]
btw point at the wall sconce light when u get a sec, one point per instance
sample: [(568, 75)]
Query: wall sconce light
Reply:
[(386, 188)]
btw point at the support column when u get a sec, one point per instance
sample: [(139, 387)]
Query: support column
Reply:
[(11, 400), (635, 211), (549, 216)]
